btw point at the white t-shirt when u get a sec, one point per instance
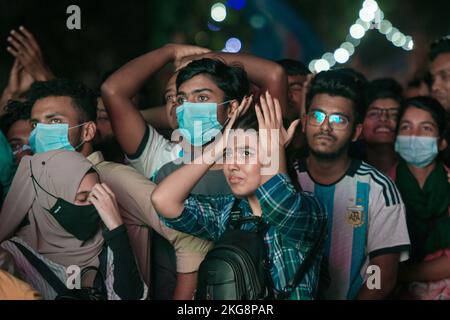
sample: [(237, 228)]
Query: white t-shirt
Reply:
[(153, 152)]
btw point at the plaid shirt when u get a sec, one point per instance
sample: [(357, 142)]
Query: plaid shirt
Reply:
[(295, 221)]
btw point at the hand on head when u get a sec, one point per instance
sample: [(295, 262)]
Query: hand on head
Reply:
[(24, 47), (183, 54)]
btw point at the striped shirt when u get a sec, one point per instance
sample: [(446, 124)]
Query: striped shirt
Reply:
[(366, 218), (294, 218)]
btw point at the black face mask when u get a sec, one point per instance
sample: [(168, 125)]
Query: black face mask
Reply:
[(82, 222)]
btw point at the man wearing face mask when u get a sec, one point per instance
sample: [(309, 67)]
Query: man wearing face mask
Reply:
[(153, 156), (63, 115)]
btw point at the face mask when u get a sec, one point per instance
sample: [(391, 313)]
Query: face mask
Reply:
[(198, 121), (23, 148), (83, 222), (418, 151), (47, 137)]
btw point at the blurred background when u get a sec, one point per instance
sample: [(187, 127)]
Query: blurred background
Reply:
[(382, 38)]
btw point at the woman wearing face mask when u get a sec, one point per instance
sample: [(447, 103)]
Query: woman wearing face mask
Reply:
[(422, 180), (67, 223), (255, 170)]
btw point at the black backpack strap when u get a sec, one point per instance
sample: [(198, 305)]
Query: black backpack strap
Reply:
[(299, 275), (43, 269)]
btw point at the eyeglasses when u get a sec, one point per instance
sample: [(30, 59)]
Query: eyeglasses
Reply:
[(376, 113), (336, 121)]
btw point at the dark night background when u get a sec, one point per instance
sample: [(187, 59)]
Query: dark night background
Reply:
[(114, 32)]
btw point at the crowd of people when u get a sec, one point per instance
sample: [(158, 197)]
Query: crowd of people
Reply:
[(139, 197)]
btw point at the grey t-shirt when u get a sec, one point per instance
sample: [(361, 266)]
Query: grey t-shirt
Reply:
[(212, 183)]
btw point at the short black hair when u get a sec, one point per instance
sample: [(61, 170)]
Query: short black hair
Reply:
[(293, 67), (345, 83), (441, 45), (384, 88), (430, 105), (83, 98), (14, 111), (231, 79)]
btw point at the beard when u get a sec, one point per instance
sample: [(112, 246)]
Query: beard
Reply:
[(330, 155)]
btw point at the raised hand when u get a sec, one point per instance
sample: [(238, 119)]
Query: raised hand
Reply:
[(181, 51), (105, 202), (269, 115), (19, 82), (24, 47)]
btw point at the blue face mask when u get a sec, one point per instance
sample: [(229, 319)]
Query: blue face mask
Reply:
[(47, 137), (417, 151), (198, 121)]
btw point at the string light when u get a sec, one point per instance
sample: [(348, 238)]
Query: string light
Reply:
[(370, 17), (218, 12)]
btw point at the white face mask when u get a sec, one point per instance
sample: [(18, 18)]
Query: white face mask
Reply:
[(417, 151)]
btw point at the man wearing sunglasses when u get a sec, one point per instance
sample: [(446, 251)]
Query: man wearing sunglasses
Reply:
[(367, 234)]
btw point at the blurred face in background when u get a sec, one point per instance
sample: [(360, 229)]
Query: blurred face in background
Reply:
[(381, 121), (295, 96), (17, 136), (440, 74)]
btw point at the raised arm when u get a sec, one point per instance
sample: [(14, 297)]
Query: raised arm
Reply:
[(118, 90), (25, 48)]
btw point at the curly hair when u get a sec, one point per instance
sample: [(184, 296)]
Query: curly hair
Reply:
[(84, 99), (15, 111)]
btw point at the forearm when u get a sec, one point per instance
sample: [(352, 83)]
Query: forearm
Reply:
[(128, 283), (186, 285), (156, 117), (382, 281), (425, 271), (169, 196), (45, 74), (6, 95), (128, 80), (375, 294)]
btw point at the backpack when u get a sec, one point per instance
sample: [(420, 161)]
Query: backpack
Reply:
[(238, 268)]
